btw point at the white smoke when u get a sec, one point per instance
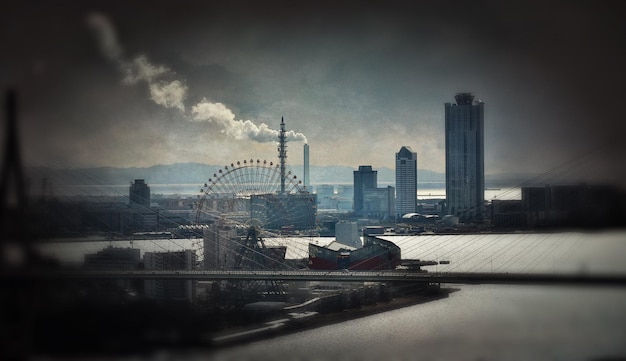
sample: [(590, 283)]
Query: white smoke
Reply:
[(172, 94), (106, 36), (169, 95), (141, 69), (219, 114)]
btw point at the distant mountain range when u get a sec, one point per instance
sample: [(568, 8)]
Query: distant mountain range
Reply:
[(197, 173)]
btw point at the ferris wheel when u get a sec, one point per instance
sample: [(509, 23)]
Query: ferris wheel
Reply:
[(255, 193)]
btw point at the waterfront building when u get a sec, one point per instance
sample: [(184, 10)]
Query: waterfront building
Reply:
[(116, 259), (465, 168), (364, 178), (170, 290), (221, 244), (573, 206), (406, 181), (113, 259)]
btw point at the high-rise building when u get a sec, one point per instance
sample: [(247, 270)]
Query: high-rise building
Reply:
[(142, 217), (364, 178), (406, 181), (139, 193), (465, 160)]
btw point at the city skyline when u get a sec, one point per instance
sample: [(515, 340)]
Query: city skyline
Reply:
[(356, 82)]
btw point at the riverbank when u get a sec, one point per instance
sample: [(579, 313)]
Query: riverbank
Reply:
[(295, 322)]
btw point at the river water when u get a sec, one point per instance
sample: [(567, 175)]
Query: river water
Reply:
[(483, 322), (478, 322)]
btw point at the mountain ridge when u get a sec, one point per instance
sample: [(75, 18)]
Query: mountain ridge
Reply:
[(198, 173)]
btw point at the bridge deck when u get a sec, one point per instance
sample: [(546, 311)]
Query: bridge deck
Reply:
[(335, 276)]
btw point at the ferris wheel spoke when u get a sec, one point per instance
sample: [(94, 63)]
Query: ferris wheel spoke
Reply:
[(267, 179), (249, 193)]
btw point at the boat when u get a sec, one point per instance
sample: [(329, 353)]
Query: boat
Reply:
[(375, 254)]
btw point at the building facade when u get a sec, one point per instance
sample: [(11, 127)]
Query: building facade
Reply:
[(465, 160), (406, 181), (170, 290), (221, 244), (325, 194), (364, 178), (379, 203)]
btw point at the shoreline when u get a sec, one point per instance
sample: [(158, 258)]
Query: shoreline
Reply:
[(284, 325)]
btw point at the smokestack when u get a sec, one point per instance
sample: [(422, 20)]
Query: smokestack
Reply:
[(306, 165)]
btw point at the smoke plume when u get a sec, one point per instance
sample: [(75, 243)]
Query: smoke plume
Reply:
[(169, 94), (219, 114), (172, 93)]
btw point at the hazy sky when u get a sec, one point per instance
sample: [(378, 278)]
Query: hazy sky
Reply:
[(138, 83)]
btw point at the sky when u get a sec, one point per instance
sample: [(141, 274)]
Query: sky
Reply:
[(140, 83)]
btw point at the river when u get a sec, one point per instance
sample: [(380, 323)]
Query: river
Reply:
[(478, 322), (482, 322)]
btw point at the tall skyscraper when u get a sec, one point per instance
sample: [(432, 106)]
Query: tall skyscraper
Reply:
[(465, 158), (364, 178), (406, 181)]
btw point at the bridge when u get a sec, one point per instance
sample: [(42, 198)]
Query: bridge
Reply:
[(615, 280)]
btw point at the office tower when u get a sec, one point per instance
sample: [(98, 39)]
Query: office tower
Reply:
[(406, 181), (465, 160), (306, 166), (139, 193), (364, 178)]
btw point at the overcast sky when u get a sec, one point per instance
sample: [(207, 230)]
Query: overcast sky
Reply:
[(139, 83)]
